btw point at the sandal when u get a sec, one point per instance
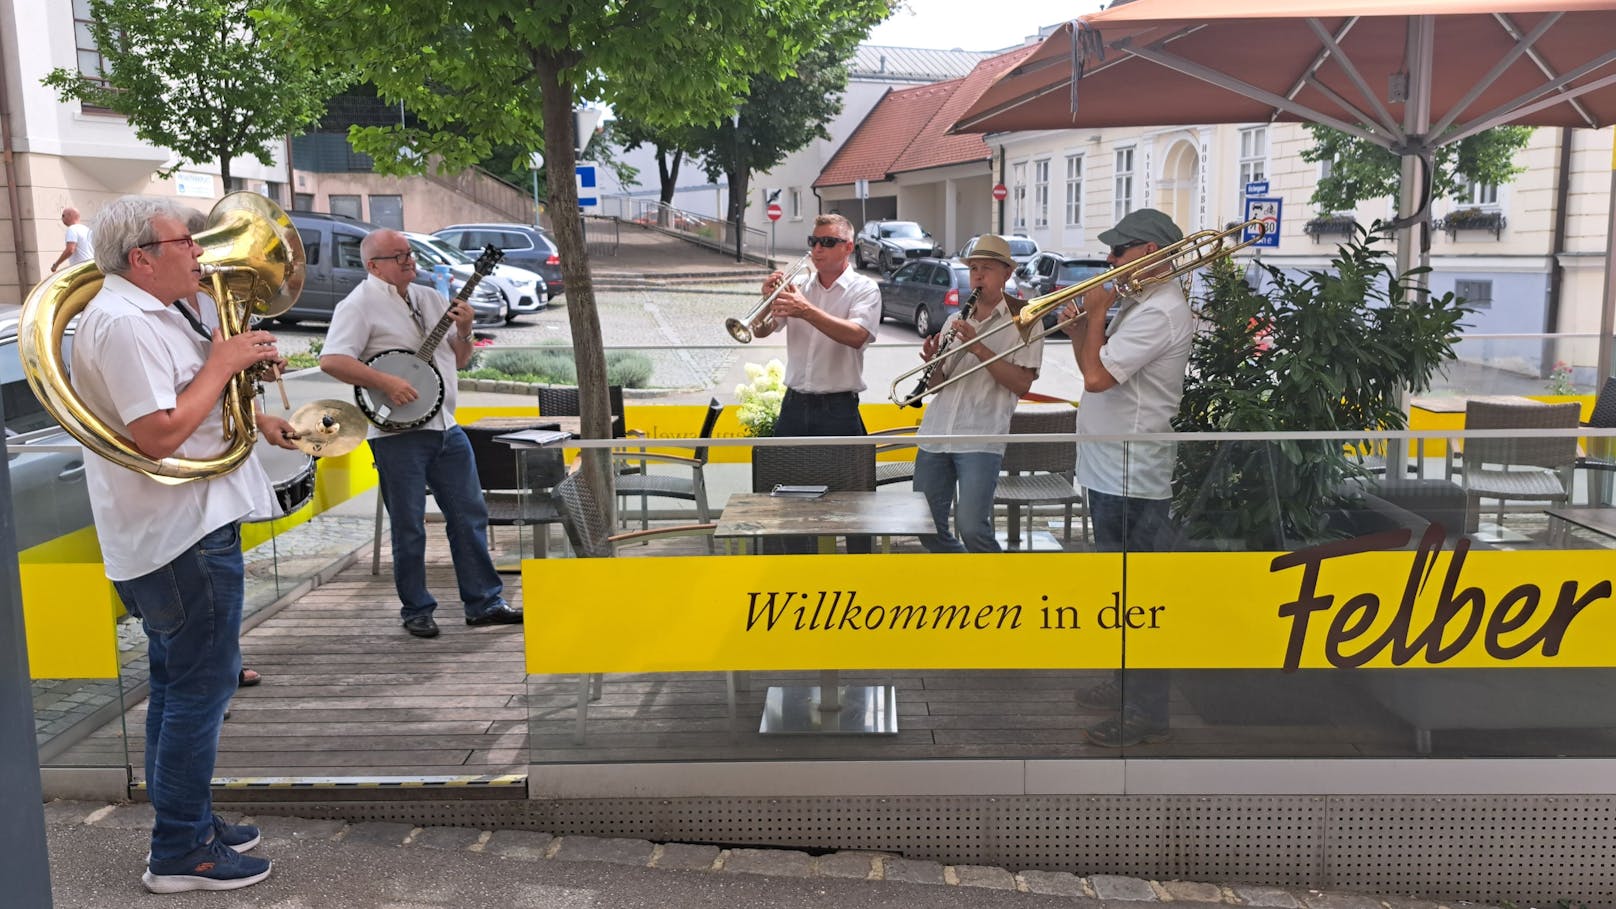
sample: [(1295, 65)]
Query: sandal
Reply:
[(247, 678)]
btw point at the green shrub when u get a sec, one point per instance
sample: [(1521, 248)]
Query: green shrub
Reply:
[(555, 366), (309, 358), (628, 369)]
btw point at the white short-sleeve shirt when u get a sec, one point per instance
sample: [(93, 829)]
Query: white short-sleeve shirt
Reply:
[(977, 404), (1147, 349), (84, 247), (816, 364), (374, 317), (132, 356)]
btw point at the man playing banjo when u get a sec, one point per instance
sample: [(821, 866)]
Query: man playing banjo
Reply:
[(387, 312)]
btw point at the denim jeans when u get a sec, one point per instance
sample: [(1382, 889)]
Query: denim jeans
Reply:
[(834, 414), (408, 465), (191, 610), (1125, 524), (974, 475)]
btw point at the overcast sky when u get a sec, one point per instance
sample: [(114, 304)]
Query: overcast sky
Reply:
[(976, 25)]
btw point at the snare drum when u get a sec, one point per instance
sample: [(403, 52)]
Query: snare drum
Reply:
[(292, 474)]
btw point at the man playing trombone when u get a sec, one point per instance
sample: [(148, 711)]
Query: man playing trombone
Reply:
[(1133, 378), (978, 403)]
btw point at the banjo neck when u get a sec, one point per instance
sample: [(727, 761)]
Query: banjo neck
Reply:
[(429, 344)]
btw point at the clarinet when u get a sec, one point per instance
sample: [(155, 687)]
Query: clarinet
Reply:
[(925, 377)]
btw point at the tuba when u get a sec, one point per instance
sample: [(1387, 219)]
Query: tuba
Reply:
[(252, 266)]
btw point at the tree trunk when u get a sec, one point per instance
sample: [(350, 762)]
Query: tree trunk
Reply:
[(668, 172), (587, 349), (224, 171), (739, 182)]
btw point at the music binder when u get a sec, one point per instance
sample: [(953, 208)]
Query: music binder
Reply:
[(799, 492), (534, 438)]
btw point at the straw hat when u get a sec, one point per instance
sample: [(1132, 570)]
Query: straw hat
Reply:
[(991, 246)]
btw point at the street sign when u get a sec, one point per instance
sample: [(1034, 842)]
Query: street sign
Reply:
[(999, 192), (861, 189), (1267, 209), (1256, 188), (586, 186), (774, 211)]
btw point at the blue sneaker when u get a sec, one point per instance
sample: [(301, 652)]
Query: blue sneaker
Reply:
[(212, 866), (240, 837)]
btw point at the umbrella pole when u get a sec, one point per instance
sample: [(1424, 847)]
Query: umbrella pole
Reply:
[(1416, 124)]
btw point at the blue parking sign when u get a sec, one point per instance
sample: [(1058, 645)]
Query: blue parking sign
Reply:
[(1267, 210)]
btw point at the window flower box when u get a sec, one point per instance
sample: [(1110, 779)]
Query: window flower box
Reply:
[(1473, 219), (1326, 225)]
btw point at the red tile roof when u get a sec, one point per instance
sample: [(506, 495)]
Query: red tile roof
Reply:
[(908, 129)]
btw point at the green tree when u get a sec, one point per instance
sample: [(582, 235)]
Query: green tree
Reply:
[(670, 144), (483, 73), (199, 77), (779, 116), (1360, 171)]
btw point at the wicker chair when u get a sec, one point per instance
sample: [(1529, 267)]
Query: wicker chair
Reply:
[(1535, 470), (646, 485), (840, 467), (589, 531), (889, 472), (562, 401), (1040, 473), (516, 484), (1601, 456)]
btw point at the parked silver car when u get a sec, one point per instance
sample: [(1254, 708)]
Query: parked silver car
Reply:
[(49, 496)]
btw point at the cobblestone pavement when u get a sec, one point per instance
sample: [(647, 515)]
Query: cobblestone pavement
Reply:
[(95, 860)]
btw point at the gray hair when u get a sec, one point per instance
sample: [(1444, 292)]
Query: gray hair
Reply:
[(126, 225)]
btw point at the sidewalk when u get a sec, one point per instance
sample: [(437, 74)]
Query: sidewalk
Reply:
[(95, 853)]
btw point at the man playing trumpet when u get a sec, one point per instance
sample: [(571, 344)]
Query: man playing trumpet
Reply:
[(977, 404)]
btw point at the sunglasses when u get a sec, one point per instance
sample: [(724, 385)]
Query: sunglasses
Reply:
[(826, 242), (1120, 248)]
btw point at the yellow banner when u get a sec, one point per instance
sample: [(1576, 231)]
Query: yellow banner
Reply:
[(1342, 605)]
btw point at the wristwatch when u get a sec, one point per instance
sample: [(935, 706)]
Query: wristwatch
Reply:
[(464, 339)]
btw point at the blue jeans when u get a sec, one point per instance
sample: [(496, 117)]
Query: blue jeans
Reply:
[(409, 464), (191, 610), (973, 475), (1125, 524)]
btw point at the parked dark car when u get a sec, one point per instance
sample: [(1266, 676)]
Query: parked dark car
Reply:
[(888, 244), (334, 266), (49, 495), (525, 246), (924, 293), (1048, 272)]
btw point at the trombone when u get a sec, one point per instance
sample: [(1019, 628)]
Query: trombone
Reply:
[(1199, 250), (741, 329)]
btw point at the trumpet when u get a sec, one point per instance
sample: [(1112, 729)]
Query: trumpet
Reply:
[(741, 329), (1199, 250)]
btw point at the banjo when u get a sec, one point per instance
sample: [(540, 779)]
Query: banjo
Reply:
[(415, 366)]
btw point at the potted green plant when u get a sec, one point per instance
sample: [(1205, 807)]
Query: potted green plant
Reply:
[(1324, 351)]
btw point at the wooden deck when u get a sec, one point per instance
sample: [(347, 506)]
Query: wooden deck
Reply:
[(348, 694)]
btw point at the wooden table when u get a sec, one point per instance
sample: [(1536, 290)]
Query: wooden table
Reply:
[(1600, 520), (829, 707), (573, 425)]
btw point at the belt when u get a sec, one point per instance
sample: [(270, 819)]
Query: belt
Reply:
[(827, 394)]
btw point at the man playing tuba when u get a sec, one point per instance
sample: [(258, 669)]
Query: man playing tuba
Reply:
[(173, 552)]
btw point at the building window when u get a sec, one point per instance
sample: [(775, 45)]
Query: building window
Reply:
[(795, 196), (387, 211), (1480, 194), (1040, 193), (1478, 293), (91, 64), (1018, 197), (1122, 192), (346, 205), (1074, 190), (1253, 155), (303, 201)]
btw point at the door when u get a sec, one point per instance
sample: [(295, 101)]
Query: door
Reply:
[(316, 295)]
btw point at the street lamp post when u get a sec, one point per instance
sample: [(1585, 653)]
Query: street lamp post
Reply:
[(534, 162), (739, 204)]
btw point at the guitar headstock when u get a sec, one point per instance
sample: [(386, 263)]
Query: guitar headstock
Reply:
[(490, 257)]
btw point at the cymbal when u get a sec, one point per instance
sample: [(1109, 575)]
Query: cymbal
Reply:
[(328, 428)]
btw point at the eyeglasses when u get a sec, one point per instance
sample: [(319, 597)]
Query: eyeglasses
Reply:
[(188, 240), (826, 242), (1120, 248), (396, 258)]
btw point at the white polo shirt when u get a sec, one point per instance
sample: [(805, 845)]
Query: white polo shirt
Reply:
[(816, 364), (373, 318), (977, 405), (132, 356), (1146, 351)]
